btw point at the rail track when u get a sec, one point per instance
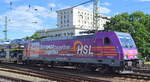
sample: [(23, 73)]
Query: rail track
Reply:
[(11, 79), (51, 75), (142, 70), (60, 76), (136, 76)]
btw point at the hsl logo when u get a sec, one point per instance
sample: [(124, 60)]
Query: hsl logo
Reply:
[(82, 49)]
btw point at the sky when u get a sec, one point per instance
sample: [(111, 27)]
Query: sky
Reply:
[(25, 17)]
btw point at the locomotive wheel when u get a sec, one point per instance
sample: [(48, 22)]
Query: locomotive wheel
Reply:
[(104, 69), (15, 62), (52, 64), (86, 67), (92, 68)]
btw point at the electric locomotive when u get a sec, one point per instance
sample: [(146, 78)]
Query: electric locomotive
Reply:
[(106, 51)]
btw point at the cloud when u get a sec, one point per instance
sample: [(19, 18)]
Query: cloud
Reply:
[(144, 0), (52, 5), (105, 4), (8, 1), (104, 10), (44, 12), (23, 19)]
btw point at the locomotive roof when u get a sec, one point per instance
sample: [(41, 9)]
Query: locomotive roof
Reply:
[(73, 37), (66, 38)]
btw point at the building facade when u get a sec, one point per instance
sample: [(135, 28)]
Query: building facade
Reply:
[(78, 18), (61, 32), (71, 22)]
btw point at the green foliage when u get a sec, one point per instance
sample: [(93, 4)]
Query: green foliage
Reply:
[(138, 25), (33, 37)]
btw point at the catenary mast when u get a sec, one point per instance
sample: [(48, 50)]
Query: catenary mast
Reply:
[(5, 31), (95, 14)]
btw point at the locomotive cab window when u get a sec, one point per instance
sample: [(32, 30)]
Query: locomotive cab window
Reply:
[(107, 41)]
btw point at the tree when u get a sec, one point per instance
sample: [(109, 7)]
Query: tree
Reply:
[(138, 25), (33, 37)]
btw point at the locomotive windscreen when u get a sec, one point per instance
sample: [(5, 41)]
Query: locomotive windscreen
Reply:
[(126, 40)]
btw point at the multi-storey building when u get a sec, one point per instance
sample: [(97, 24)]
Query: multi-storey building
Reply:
[(78, 18), (72, 21), (74, 18)]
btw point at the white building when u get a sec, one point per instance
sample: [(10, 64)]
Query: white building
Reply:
[(71, 22), (61, 32), (78, 18)]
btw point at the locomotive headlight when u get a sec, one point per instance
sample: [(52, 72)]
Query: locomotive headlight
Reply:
[(135, 56), (126, 56)]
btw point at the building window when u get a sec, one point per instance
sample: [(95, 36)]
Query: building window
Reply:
[(72, 33), (81, 16), (79, 21), (68, 34), (67, 20), (65, 34), (59, 35), (55, 35)]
